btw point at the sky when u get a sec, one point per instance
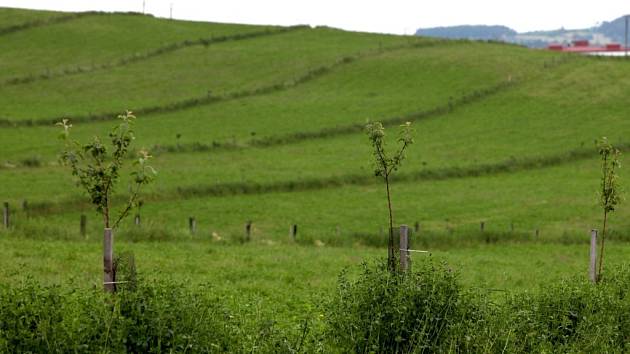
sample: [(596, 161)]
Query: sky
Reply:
[(385, 16)]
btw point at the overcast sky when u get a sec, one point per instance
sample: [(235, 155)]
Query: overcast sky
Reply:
[(389, 16)]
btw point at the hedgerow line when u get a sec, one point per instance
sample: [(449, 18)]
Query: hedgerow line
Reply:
[(51, 21), (511, 165), (188, 103), (137, 57), (297, 137)]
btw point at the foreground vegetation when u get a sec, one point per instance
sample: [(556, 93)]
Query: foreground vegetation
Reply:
[(372, 311)]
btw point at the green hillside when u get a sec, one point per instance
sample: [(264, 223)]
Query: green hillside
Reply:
[(265, 124), (237, 120)]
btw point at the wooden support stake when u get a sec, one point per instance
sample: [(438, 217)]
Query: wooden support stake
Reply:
[(404, 248), (248, 231), (25, 208), (592, 269), (293, 231), (108, 261), (83, 225), (192, 224), (5, 216)]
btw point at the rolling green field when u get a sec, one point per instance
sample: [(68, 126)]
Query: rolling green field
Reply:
[(265, 124)]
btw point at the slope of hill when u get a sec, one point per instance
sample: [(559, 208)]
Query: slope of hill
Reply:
[(503, 134)]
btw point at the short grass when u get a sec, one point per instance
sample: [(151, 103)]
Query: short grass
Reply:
[(98, 38), (285, 279), (555, 200), (10, 17)]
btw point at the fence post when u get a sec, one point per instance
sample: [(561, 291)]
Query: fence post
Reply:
[(482, 226), (192, 224), (537, 233), (416, 228), (25, 208), (5, 215), (404, 248), (108, 261), (248, 231), (83, 225), (293, 231), (592, 270)]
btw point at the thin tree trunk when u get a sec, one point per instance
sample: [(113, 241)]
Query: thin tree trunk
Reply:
[(601, 251)]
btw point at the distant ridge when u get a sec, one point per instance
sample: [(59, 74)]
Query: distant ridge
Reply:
[(607, 32)]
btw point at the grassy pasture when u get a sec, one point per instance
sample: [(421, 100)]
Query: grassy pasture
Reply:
[(10, 17), (514, 149), (97, 38)]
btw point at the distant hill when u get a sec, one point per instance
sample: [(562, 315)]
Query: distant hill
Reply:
[(469, 32), (607, 32)]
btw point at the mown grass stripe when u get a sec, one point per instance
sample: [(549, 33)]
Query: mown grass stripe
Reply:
[(137, 57), (339, 130), (511, 165), (188, 103)]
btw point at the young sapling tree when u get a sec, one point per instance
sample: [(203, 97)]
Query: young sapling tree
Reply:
[(97, 167), (384, 166), (609, 193)]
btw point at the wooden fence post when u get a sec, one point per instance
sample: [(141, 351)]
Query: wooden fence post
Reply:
[(5, 215), (192, 224), (248, 231), (404, 248), (108, 261), (293, 231), (83, 225), (25, 208), (416, 228), (482, 226), (592, 270)]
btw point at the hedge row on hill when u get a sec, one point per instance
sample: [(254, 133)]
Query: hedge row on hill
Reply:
[(136, 57), (252, 188), (425, 310), (188, 103), (49, 21)]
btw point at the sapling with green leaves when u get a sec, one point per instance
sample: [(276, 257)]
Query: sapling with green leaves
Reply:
[(384, 166), (609, 193), (97, 167)]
